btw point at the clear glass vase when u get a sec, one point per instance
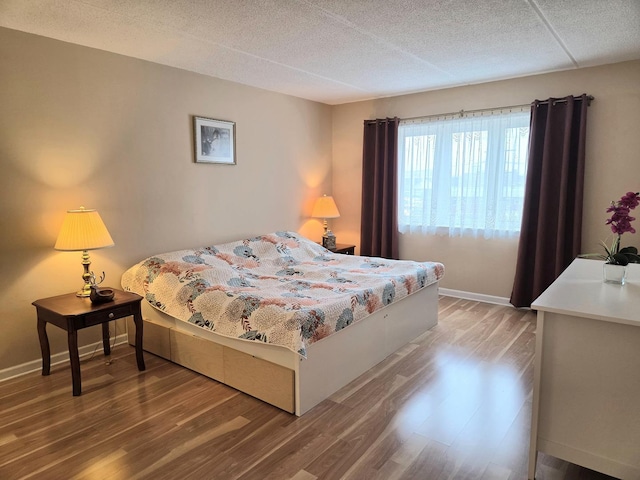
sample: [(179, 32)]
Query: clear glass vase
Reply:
[(614, 273)]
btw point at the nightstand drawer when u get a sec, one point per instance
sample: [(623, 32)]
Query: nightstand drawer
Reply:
[(107, 315), (344, 249)]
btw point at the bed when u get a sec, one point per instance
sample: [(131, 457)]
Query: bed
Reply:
[(278, 316)]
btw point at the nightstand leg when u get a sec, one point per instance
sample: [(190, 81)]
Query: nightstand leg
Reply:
[(72, 337), (137, 319), (44, 347), (105, 339)]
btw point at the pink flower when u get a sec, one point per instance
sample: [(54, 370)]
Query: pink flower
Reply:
[(620, 221), (630, 200)]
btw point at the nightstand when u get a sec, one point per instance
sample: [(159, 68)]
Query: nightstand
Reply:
[(344, 249), (72, 313)]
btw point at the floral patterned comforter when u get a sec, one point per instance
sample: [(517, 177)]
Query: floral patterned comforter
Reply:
[(279, 288)]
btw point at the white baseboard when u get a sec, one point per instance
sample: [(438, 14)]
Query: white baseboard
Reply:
[(478, 297), (36, 365)]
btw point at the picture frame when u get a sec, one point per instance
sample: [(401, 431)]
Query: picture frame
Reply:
[(215, 141)]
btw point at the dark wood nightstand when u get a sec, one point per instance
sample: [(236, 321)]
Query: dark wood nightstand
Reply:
[(344, 249), (72, 313)]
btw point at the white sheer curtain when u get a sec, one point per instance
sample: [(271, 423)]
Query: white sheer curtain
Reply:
[(463, 176)]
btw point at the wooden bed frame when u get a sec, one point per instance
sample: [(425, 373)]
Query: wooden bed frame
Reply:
[(279, 376)]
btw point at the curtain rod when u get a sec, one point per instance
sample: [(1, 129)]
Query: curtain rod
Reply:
[(462, 113), (564, 100), (368, 122)]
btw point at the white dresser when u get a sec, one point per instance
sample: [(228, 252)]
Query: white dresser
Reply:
[(586, 396)]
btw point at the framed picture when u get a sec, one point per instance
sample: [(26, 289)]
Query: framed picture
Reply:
[(215, 140)]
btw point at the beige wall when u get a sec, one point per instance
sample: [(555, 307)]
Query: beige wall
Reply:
[(488, 266), (83, 127)]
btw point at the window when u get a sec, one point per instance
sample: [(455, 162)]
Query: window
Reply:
[(463, 176)]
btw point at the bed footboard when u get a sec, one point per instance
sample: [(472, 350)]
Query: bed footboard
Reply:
[(277, 375)]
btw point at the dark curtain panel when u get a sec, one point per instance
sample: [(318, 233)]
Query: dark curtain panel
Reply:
[(552, 217), (379, 219)]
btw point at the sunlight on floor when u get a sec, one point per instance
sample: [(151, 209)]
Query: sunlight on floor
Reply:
[(480, 399)]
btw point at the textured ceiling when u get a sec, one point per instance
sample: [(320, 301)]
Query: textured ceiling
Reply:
[(337, 51)]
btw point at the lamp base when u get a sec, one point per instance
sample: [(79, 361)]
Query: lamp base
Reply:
[(85, 292), (329, 240), (86, 276)]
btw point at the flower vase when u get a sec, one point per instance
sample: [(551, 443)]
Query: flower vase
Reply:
[(614, 273)]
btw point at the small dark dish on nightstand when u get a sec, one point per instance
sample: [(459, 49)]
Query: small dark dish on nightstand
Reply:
[(101, 295)]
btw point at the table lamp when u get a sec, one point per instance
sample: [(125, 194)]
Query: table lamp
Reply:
[(325, 207), (83, 230)]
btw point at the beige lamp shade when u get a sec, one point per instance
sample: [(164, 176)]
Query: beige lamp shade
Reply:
[(83, 230), (325, 207)]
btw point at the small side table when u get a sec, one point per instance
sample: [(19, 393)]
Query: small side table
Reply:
[(72, 313), (344, 249)]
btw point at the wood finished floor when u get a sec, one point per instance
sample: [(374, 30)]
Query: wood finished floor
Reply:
[(453, 404)]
